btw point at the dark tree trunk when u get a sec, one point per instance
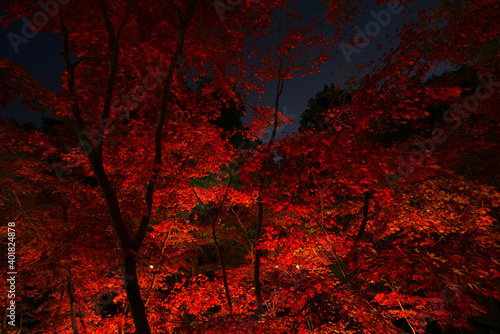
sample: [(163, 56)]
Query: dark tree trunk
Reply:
[(258, 253), (72, 302), (366, 203), (133, 291)]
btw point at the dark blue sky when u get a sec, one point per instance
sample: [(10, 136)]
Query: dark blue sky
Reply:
[(299, 90), (41, 56)]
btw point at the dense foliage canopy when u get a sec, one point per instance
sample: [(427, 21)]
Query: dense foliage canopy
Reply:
[(143, 203)]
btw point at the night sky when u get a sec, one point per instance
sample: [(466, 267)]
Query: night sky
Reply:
[(41, 57)]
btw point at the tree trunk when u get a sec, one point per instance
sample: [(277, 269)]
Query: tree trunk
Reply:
[(133, 291), (366, 202), (260, 204), (94, 154), (217, 246), (258, 253), (72, 302)]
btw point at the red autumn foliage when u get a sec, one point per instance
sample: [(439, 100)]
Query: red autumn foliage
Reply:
[(136, 211)]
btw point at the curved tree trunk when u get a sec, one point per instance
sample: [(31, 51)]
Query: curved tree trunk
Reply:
[(260, 204), (129, 245)]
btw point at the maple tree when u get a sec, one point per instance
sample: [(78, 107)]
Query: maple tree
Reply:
[(144, 204)]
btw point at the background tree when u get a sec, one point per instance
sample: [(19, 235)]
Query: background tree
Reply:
[(314, 117)]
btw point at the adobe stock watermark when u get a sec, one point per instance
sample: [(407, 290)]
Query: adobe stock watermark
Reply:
[(120, 107), (48, 9), (107, 296), (11, 274), (289, 280), (253, 146), (449, 294), (266, 136), (455, 115), (373, 28), (222, 6), (126, 103)]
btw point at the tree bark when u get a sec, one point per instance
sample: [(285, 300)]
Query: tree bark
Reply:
[(258, 254), (134, 298), (366, 203), (217, 246), (260, 204), (72, 301)]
